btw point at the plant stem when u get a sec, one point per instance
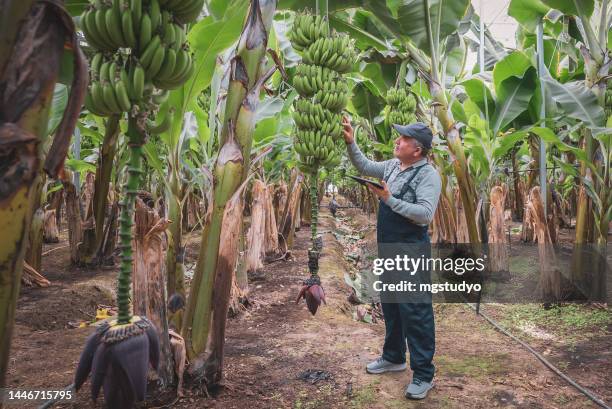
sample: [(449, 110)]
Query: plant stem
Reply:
[(126, 221), (314, 207), (102, 180)]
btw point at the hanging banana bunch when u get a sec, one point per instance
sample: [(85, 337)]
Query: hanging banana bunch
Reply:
[(141, 46), (324, 93), (401, 107), (141, 53)]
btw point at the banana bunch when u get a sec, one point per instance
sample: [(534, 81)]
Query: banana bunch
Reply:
[(314, 143), (309, 122), (166, 66), (334, 53), (306, 30), (310, 116), (311, 78), (308, 107), (398, 96), (147, 40), (112, 89), (130, 24), (161, 48), (103, 25), (401, 107), (333, 101), (322, 89), (312, 163)]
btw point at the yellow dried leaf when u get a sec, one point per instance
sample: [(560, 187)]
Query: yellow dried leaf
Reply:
[(102, 314)]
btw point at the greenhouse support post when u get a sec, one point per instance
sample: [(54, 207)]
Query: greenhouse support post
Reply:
[(541, 68)]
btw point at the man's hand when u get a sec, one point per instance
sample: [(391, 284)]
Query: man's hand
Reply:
[(348, 130), (383, 194)]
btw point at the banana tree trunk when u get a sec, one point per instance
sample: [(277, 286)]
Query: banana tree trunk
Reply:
[(226, 265), (148, 278), (32, 42), (519, 201), (280, 199), (469, 197), (50, 231), (90, 251), (73, 217), (291, 210), (246, 81), (271, 233), (256, 235), (305, 205), (33, 254), (175, 257), (497, 235)]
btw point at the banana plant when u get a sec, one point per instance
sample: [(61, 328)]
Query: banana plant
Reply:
[(90, 250), (425, 31), (33, 41), (246, 80), (578, 88), (494, 112), (223, 27), (582, 30)]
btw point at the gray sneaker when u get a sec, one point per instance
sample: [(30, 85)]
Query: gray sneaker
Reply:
[(418, 389), (381, 365)]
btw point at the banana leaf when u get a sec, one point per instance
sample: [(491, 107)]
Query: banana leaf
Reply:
[(576, 101)]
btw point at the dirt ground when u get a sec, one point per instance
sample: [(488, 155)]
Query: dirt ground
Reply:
[(276, 341)]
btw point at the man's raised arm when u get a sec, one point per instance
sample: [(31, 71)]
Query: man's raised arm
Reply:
[(358, 159)]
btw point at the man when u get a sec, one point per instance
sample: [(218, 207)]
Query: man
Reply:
[(408, 201), (333, 206)]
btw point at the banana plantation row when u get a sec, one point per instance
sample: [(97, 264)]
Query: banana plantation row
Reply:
[(137, 121)]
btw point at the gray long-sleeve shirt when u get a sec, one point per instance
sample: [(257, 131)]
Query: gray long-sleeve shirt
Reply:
[(427, 185)]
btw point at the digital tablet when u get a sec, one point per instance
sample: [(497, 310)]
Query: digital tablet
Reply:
[(365, 181)]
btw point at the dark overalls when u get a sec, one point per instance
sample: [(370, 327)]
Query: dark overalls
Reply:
[(405, 321)]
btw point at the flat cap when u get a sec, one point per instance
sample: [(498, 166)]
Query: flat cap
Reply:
[(418, 131)]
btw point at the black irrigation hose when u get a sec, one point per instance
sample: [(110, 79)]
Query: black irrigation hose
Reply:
[(550, 366)]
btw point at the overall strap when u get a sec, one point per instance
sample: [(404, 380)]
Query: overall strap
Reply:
[(407, 184)]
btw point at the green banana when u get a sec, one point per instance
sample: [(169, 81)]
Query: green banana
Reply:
[(100, 23), (94, 67), (155, 14), (136, 10), (110, 100), (103, 74), (91, 106), (147, 55), (97, 95), (112, 71), (146, 32), (169, 35), (182, 60), (88, 26), (127, 27), (156, 62), (125, 78), (167, 67), (181, 37), (122, 96), (113, 23), (113, 27), (138, 81)]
